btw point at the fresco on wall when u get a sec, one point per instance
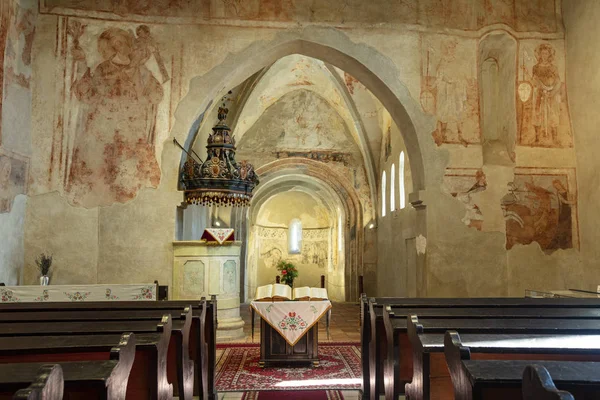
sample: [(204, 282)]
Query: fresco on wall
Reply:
[(536, 15), (449, 89), (541, 207), (543, 113), (463, 183), (167, 8), (13, 178), (523, 15), (17, 39), (106, 150)]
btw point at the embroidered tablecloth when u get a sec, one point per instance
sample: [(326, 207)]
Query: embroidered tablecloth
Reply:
[(292, 319), (61, 293)]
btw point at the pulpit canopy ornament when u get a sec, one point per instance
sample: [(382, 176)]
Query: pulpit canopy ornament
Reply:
[(219, 180)]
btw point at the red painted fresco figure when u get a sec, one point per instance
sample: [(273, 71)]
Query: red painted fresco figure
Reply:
[(114, 151), (546, 96)]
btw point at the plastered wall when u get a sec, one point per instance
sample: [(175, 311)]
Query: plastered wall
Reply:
[(112, 83)]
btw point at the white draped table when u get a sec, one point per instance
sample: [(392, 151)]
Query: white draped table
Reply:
[(291, 319), (61, 293)]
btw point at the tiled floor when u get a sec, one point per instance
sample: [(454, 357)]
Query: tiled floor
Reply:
[(345, 324), (344, 327)]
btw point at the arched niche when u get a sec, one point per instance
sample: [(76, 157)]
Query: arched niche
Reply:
[(497, 75)]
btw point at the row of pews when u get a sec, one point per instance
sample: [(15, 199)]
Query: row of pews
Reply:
[(134, 350), (488, 349)]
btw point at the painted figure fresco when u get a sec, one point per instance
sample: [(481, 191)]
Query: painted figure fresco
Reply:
[(13, 178), (541, 208), (449, 89), (463, 184), (113, 153), (543, 115)]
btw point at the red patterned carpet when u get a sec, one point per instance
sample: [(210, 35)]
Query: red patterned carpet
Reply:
[(339, 368), (299, 395)]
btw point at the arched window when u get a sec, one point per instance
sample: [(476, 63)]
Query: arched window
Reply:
[(401, 178), (383, 191), (295, 236), (393, 188)]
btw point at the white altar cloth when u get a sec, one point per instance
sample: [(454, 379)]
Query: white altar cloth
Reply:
[(63, 293), (292, 319)]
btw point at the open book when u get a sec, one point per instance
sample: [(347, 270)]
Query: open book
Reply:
[(281, 292)]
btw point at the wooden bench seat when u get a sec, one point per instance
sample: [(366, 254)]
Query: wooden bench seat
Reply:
[(373, 340), (538, 385), (431, 378), (148, 376), (180, 369), (202, 342), (48, 385), (502, 379), (83, 380)]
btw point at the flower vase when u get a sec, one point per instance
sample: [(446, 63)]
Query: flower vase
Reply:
[(44, 280)]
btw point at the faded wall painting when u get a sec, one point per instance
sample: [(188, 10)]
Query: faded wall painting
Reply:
[(449, 88), (523, 15), (463, 183), (19, 42), (105, 148), (166, 8), (192, 278), (13, 178), (542, 112), (229, 277), (541, 207)]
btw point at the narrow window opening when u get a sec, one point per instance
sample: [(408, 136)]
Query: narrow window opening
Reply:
[(295, 236), (383, 192), (401, 178)]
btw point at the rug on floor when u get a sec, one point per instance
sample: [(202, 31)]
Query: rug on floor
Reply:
[(297, 395), (238, 370)]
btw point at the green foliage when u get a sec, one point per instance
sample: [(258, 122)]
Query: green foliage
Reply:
[(44, 262), (288, 271)]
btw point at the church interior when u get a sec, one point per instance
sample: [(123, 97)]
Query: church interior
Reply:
[(419, 172)]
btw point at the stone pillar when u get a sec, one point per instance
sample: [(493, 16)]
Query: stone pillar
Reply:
[(200, 269)]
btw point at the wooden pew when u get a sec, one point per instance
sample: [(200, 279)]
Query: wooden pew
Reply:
[(89, 380), (180, 369), (148, 376), (48, 385), (373, 337), (493, 380), (431, 375), (538, 385), (202, 343)]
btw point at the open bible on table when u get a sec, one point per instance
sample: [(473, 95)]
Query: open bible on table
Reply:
[(280, 292)]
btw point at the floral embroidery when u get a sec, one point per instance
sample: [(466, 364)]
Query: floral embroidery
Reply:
[(77, 296), (146, 293), (293, 322), (110, 296), (8, 296), (44, 297)]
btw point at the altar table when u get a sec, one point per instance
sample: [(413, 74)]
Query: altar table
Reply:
[(289, 332)]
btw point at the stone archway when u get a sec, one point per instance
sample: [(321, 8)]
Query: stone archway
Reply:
[(285, 174), (371, 68)]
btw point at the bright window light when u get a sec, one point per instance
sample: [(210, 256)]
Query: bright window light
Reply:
[(295, 236), (401, 177), (383, 192), (393, 188)]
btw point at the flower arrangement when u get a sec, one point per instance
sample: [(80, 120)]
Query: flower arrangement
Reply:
[(289, 272), (44, 262)]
